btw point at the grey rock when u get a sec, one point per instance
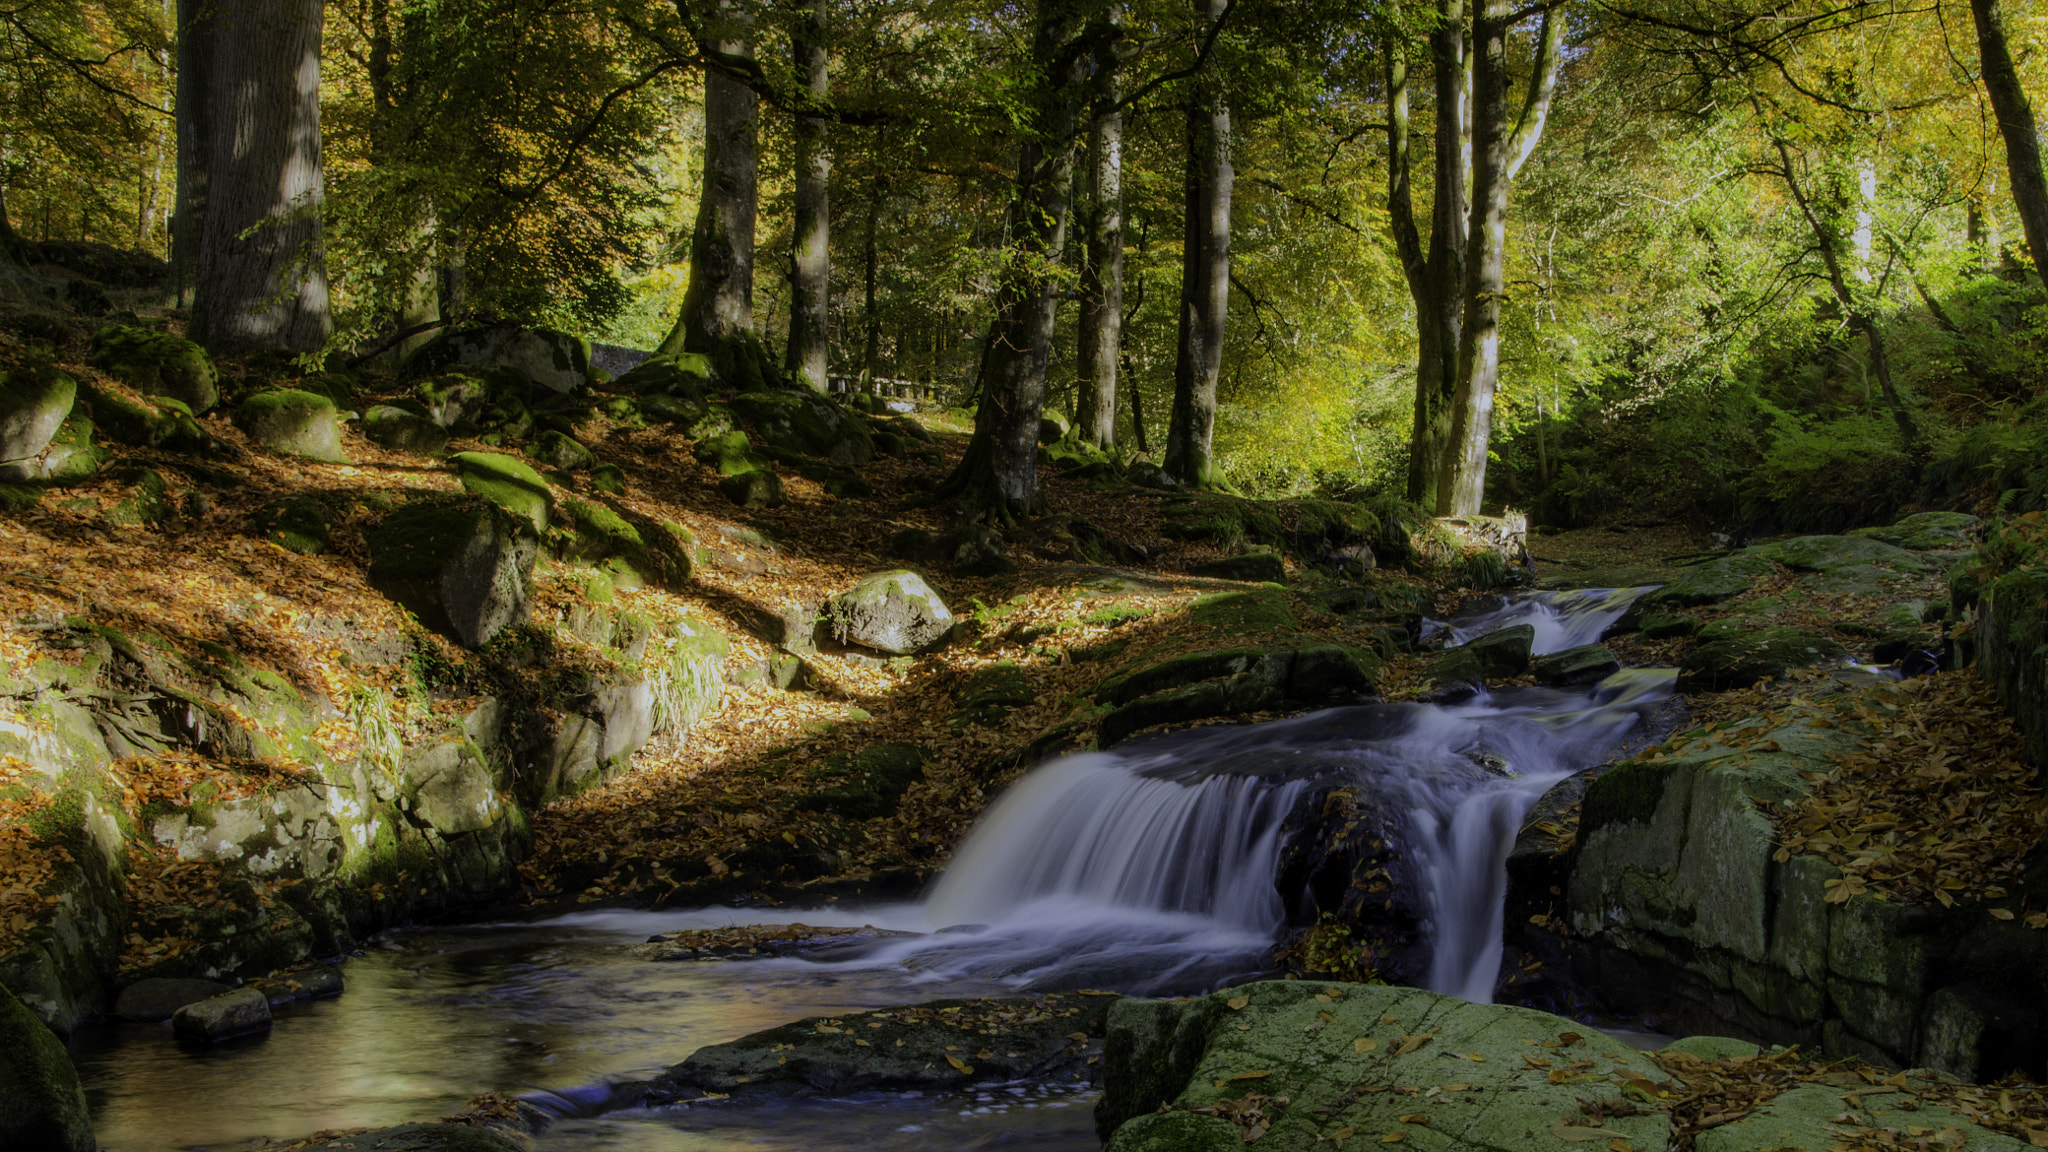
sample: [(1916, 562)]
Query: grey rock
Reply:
[(760, 488), (555, 361), (1713, 581), (1146, 474), (1575, 667), (157, 364), (295, 423), (33, 405), (1740, 661), (807, 423), (464, 566), (451, 786), (557, 450), (1827, 553), (400, 430), (894, 612), (1504, 652), (158, 998), (1667, 625), (70, 455), (42, 1103), (243, 1012)]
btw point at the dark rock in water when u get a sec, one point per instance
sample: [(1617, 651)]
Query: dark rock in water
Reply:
[(1740, 661), (243, 1012), (760, 942), (1265, 566), (156, 999), (1575, 667), (941, 1046), (42, 1104), (319, 982), (1504, 652), (1230, 681), (1458, 667)]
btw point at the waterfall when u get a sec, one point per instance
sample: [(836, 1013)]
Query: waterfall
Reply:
[(1562, 620)]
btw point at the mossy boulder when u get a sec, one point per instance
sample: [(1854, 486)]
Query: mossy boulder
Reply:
[(1742, 660), (731, 453), (1198, 686), (1504, 652), (242, 1012), (70, 457), (1250, 613), (551, 360), (1831, 553), (894, 612), (808, 423), (634, 556), (463, 565), (295, 423), (1579, 667), (156, 422), (507, 482), (1368, 1061), (1712, 581), (560, 451), (760, 488), (1667, 625), (33, 404), (456, 399), (145, 501), (403, 430), (302, 524), (991, 694), (684, 374), (1229, 522), (42, 1103), (157, 364)]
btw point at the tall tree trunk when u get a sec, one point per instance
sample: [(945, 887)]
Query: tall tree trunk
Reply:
[(262, 279), (870, 318), (1498, 153), (997, 478), (718, 305), (1102, 272), (2016, 123), (1204, 282), (810, 272), (1435, 274), (194, 44)]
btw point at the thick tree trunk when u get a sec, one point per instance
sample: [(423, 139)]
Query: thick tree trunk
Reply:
[(810, 272), (997, 478), (718, 305), (1102, 273), (1461, 483), (262, 280), (870, 318), (2016, 123), (1435, 275), (190, 212), (1204, 284)]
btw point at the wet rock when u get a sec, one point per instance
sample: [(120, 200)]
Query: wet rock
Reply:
[(941, 1046), (562, 452), (1503, 652), (1810, 1116), (1233, 681), (554, 361), (1334, 1059), (1742, 660), (295, 423), (894, 612), (463, 566), (507, 482), (1258, 566), (318, 982), (243, 1012), (1575, 667), (402, 430), (806, 422), (157, 999), (443, 1137), (157, 364), (42, 1103), (33, 405)]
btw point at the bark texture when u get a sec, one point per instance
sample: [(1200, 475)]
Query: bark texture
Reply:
[(1102, 273), (997, 479), (261, 275), (718, 305), (1205, 282), (810, 272), (2016, 123), (190, 211)]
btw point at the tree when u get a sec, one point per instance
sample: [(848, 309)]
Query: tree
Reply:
[(2017, 125), (1102, 267), (261, 279), (810, 271), (1205, 278)]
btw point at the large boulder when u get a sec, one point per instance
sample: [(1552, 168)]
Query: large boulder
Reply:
[(295, 423), (507, 482), (561, 451), (1828, 553), (42, 1104), (1575, 667), (243, 1012), (403, 430), (1742, 660), (1712, 581), (157, 364), (70, 455), (685, 374), (33, 405), (155, 422), (1204, 685), (555, 361), (463, 566), (636, 555), (895, 612), (1927, 531), (808, 423)]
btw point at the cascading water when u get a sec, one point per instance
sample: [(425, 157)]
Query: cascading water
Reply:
[(1563, 619)]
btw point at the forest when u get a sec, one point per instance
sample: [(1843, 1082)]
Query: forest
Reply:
[(1289, 571)]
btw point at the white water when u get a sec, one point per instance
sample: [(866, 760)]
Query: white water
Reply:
[(1562, 620)]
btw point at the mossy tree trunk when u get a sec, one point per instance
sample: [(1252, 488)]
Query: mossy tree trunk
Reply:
[(718, 305), (261, 275), (997, 479), (1102, 271), (2017, 125), (1205, 280), (810, 272)]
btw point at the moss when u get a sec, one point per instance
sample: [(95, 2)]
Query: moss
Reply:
[(157, 364), (298, 524), (46, 1109), (1229, 522), (1246, 613), (1626, 794), (506, 482)]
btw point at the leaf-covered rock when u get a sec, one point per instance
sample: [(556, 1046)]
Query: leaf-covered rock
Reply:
[(1738, 661)]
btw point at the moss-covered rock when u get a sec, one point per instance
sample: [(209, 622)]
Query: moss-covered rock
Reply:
[(555, 361), (806, 422), (895, 612), (731, 454), (759, 488), (42, 1103), (1742, 660), (456, 399), (71, 457), (302, 524), (293, 422), (1251, 613), (33, 404), (508, 483), (157, 364), (1264, 567), (1713, 581), (990, 694), (560, 451), (634, 556), (1668, 625), (402, 430), (684, 374), (1579, 667), (1829, 553), (464, 566), (158, 422)]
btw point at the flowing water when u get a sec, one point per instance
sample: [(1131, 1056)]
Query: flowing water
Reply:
[(1150, 870)]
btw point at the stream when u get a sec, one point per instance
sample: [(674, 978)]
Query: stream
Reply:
[(1147, 870)]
